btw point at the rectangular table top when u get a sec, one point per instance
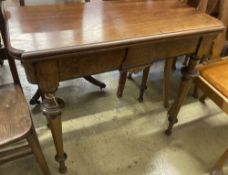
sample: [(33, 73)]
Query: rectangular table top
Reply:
[(72, 27)]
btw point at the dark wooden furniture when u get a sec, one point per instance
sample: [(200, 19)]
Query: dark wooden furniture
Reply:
[(200, 5), (37, 95), (16, 123), (101, 37)]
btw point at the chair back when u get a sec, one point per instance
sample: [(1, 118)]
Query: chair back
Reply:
[(220, 41), (11, 60)]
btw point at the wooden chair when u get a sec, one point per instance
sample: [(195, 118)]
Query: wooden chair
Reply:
[(213, 79), (169, 64), (16, 123)]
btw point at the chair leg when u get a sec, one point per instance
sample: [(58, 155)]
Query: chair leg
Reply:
[(22, 2), (129, 76), (143, 84), (167, 74), (1, 62), (174, 63), (195, 92), (95, 82), (36, 149), (35, 99), (203, 98), (122, 81), (186, 60), (217, 170)]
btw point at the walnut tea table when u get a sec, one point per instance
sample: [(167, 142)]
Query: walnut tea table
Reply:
[(65, 41)]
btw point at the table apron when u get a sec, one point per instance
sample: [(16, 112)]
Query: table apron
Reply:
[(83, 64)]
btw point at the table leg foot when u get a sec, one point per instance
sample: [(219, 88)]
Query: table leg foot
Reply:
[(172, 121), (61, 160)]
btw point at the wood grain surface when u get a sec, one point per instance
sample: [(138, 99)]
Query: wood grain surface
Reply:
[(101, 24), (14, 114)]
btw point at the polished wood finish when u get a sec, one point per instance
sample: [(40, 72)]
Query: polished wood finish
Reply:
[(40, 41), (21, 122), (35, 98), (201, 6), (84, 39)]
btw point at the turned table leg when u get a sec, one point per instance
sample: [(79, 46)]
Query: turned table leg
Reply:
[(189, 73), (143, 87), (52, 110)]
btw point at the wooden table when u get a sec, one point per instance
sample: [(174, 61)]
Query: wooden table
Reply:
[(61, 42)]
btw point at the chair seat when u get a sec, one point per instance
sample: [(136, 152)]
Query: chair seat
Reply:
[(217, 75), (15, 121)]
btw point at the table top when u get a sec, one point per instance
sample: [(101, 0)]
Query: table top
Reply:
[(73, 27)]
